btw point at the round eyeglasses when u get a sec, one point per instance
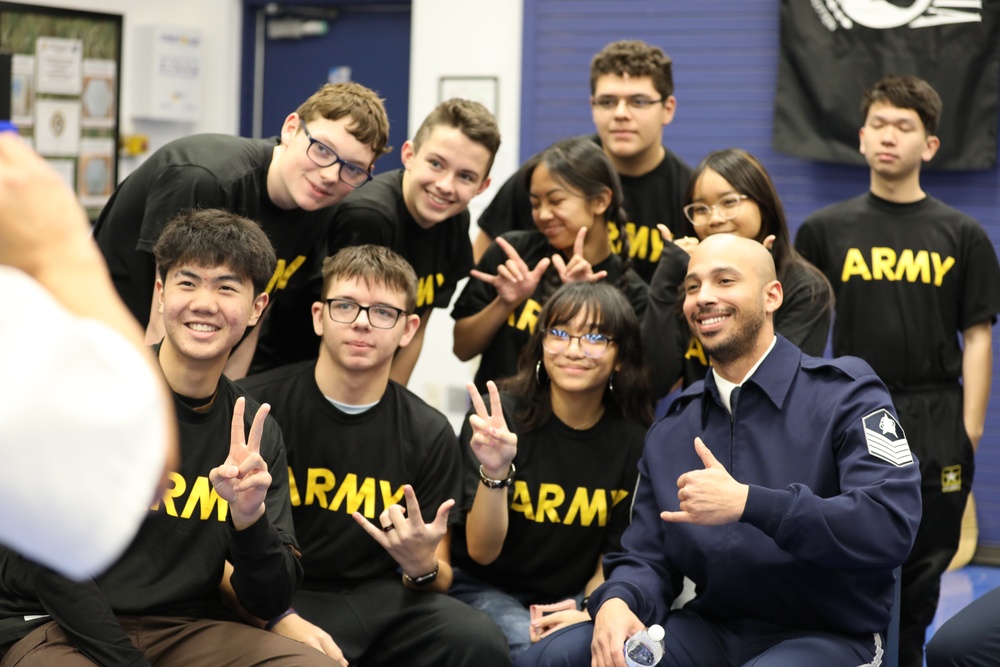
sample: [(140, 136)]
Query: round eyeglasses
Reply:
[(727, 208), (324, 156), (593, 345), (379, 316)]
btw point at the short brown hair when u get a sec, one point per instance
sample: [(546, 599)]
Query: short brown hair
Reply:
[(471, 118), (369, 122), (634, 58), (905, 92), (372, 265), (212, 237)]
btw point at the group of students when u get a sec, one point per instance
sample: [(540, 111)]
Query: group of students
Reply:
[(287, 262)]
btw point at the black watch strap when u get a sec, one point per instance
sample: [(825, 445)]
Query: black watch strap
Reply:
[(423, 579)]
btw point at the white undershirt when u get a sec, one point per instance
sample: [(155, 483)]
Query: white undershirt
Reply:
[(726, 387)]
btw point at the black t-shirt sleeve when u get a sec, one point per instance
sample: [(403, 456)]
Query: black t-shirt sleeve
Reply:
[(359, 225), (266, 571), (980, 297), (510, 208), (809, 244), (804, 315), (664, 334), (82, 611)]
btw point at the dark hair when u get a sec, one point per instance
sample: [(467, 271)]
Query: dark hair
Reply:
[(212, 237), (471, 118), (373, 265), (747, 176), (581, 166), (905, 92), (631, 396), (634, 58), (369, 122)]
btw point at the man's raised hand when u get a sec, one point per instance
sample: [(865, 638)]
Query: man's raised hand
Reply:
[(243, 480)]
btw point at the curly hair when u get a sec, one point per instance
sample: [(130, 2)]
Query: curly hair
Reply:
[(634, 58)]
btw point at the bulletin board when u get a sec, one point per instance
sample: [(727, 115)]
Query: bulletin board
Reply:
[(65, 91)]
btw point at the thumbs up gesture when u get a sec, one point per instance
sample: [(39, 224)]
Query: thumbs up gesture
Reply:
[(709, 497)]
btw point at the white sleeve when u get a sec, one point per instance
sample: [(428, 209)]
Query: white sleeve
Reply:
[(82, 433)]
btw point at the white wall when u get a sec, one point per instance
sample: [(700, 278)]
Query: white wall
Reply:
[(463, 38), (220, 25)]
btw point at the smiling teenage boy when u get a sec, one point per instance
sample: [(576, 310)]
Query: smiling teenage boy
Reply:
[(362, 450), (911, 276), (326, 149), (225, 504), (632, 100), (421, 211)]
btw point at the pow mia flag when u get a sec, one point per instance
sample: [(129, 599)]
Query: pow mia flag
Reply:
[(832, 50), (885, 438)]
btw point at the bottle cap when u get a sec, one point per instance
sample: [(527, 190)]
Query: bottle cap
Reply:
[(656, 633)]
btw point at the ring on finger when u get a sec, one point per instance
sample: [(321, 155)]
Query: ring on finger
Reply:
[(386, 529)]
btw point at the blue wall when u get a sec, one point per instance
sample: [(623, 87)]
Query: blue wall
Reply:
[(373, 41), (725, 56)]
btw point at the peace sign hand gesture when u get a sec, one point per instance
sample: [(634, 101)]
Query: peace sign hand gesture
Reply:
[(578, 268), (492, 443), (514, 281), (243, 480)]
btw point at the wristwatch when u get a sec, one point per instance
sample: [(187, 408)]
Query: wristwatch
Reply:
[(491, 483), (423, 579)]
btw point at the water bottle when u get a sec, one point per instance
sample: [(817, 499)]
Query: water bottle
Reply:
[(645, 647)]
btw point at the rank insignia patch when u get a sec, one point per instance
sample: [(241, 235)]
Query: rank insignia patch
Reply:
[(885, 438)]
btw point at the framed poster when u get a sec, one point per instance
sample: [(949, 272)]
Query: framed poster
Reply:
[(65, 91)]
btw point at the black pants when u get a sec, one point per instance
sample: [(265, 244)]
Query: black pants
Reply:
[(384, 623), (934, 426)]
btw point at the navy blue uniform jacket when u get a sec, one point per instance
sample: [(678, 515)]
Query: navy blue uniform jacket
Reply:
[(833, 506)]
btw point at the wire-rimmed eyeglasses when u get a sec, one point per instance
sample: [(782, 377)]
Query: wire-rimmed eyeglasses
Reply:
[(727, 208)]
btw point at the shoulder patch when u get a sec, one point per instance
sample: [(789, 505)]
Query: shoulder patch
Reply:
[(885, 438)]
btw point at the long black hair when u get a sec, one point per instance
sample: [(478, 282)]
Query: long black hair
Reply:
[(747, 176), (606, 305), (581, 166)]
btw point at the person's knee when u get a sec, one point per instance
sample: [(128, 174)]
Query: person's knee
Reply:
[(569, 647)]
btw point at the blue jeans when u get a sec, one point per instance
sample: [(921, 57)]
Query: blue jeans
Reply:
[(509, 610)]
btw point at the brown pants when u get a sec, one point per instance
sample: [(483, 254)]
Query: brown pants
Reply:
[(173, 642)]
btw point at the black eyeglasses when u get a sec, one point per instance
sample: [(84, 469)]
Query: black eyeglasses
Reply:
[(324, 156), (610, 102), (593, 345), (379, 316)]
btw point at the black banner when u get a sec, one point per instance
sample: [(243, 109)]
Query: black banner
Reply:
[(832, 50)]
